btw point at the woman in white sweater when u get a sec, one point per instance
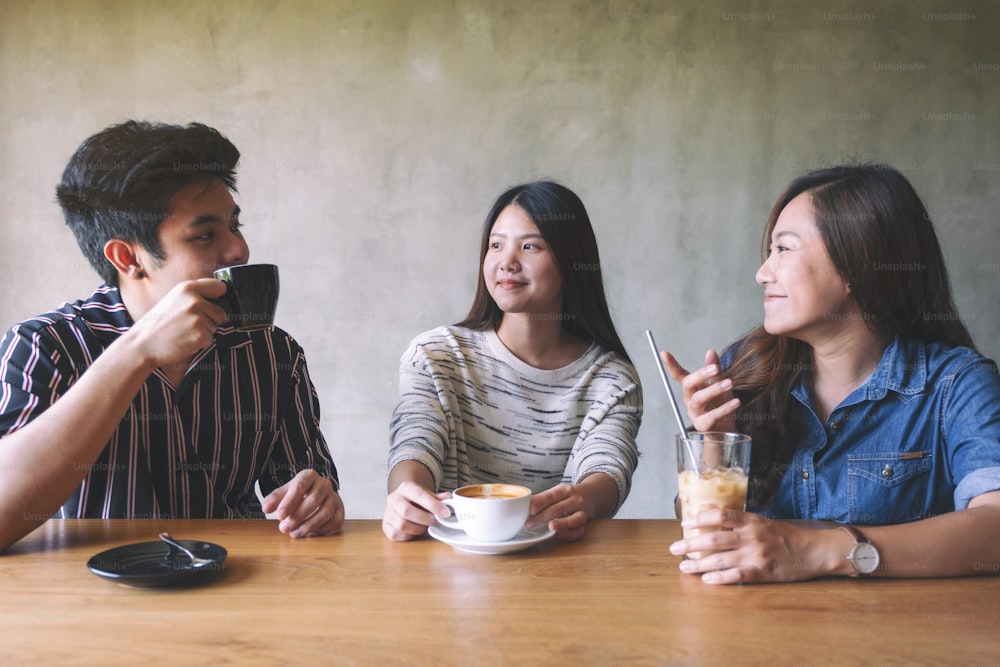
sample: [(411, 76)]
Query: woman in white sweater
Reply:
[(533, 387)]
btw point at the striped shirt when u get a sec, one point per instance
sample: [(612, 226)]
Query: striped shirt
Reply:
[(472, 412), (246, 409)]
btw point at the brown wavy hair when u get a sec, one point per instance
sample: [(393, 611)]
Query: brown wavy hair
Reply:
[(881, 240)]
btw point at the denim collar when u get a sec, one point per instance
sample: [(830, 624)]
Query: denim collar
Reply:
[(902, 369)]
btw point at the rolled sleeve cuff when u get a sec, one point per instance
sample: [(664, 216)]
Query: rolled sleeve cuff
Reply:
[(420, 456), (621, 480), (976, 483)]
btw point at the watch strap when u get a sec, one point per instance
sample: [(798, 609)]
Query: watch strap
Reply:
[(855, 533)]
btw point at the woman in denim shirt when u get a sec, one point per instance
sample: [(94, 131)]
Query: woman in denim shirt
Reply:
[(865, 397)]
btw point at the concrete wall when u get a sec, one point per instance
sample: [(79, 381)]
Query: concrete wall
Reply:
[(376, 133)]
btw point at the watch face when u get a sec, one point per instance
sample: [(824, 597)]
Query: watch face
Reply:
[(864, 557)]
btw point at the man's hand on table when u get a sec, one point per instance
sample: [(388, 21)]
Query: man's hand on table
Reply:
[(307, 506)]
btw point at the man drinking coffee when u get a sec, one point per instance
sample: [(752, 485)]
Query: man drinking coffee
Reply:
[(142, 400)]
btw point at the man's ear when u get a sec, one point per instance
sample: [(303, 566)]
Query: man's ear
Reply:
[(124, 258)]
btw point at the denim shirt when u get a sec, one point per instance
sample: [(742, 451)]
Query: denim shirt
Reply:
[(920, 437)]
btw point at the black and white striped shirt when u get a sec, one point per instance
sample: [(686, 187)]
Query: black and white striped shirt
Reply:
[(246, 409), (472, 412)]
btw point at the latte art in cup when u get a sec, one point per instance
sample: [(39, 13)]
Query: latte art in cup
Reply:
[(492, 491), (489, 512)]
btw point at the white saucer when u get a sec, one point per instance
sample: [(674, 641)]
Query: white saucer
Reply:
[(459, 541)]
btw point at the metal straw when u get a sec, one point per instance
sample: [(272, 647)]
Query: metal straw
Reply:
[(673, 401)]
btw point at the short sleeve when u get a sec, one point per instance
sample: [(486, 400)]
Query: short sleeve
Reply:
[(34, 372)]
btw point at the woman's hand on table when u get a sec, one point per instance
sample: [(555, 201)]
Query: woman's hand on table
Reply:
[(708, 395), (307, 506), (755, 549), (410, 510)]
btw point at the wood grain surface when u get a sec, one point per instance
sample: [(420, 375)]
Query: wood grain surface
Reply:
[(615, 598)]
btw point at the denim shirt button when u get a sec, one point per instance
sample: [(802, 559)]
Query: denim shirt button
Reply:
[(887, 471), (834, 426), (805, 474)]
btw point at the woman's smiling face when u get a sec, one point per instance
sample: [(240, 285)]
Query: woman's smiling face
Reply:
[(803, 292), (520, 271)]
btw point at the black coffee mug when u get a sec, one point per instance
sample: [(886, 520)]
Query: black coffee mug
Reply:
[(251, 297)]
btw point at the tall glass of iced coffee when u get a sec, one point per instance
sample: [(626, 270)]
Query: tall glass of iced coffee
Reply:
[(712, 474)]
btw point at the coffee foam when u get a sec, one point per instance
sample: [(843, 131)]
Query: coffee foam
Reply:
[(493, 491)]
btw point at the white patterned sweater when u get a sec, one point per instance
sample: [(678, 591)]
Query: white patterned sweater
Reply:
[(472, 412)]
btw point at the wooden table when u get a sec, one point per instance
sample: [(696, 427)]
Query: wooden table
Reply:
[(614, 598)]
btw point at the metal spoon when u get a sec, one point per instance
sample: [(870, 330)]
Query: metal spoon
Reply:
[(176, 546)]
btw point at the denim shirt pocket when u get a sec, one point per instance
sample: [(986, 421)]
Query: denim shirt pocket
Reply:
[(890, 487)]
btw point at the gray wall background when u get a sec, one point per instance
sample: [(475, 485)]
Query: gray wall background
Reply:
[(375, 134)]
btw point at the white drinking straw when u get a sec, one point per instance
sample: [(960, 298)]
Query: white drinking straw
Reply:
[(673, 401)]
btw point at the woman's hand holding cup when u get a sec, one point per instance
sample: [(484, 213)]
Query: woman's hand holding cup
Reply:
[(411, 509)]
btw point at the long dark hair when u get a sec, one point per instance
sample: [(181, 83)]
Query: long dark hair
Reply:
[(880, 238), (564, 224)]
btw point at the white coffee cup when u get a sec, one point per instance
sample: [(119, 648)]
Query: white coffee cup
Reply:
[(488, 512)]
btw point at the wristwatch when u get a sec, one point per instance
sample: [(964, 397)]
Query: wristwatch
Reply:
[(863, 555)]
